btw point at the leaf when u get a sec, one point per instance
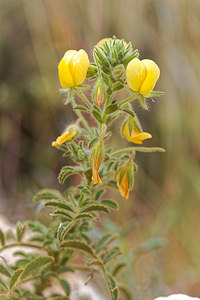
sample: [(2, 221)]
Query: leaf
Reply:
[(47, 194), (65, 269), (4, 270), (62, 213), (15, 277), (156, 93), (2, 238), (126, 291), (111, 108), (110, 203), (80, 107), (112, 253), (92, 142), (97, 116), (95, 207), (83, 87), (98, 194), (128, 111), (69, 96), (78, 245), (118, 268), (85, 216), (60, 204), (68, 171), (113, 286), (20, 230), (63, 229), (35, 265), (105, 240), (66, 287), (3, 284)]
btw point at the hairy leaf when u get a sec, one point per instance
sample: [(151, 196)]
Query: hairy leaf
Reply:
[(35, 265), (105, 240), (4, 270), (2, 238), (78, 245), (15, 277), (66, 287), (110, 203), (47, 194), (95, 207), (68, 171)]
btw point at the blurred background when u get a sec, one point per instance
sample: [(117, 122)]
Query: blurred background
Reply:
[(166, 201)]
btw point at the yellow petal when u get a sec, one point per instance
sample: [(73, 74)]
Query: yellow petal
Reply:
[(78, 66), (150, 64), (64, 73), (135, 74), (148, 84), (123, 185)]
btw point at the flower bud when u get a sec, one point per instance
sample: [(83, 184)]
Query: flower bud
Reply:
[(142, 76), (100, 43), (96, 159), (133, 131), (125, 179), (99, 93), (72, 69), (69, 133)]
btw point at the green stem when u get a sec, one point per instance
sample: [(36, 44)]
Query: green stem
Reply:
[(81, 117), (140, 149), (22, 245), (127, 100), (107, 282), (84, 98)]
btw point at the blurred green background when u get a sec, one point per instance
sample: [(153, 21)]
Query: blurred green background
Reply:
[(33, 37)]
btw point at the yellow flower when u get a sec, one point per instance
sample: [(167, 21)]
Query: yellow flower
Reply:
[(72, 68), (133, 131), (125, 179), (96, 159), (69, 133), (100, 43), (142, 76)]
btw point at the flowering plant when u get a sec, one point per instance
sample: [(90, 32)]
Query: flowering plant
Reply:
[(115, 67)]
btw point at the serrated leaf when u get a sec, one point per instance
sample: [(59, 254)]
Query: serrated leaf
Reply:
[(15, 277), (78, 245), (68, 171), (66, 287), (35, 265), (95, 207), (4, 270), (2, 238), (110, 203), (47, 194), (105, 240)]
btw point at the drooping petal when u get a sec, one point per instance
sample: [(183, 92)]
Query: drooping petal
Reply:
[(135, 74), (123, 184), (68, 134)]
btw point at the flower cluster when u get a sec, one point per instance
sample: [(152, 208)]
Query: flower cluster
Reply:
[(116, 66)]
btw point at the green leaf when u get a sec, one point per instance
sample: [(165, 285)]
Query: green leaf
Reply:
[(143, 102), (15, 277), (65, 269), (95, 207), (64, 229), (68, 171), (113, 286), (92, 142), (83, 87), (3, 284), (110, 203), (97, 116), (111, 108), (2, 238), (105, 240), (35, 265), (126, 291), (85, 216), (66, 287), (78, 245), (80, 107), (20, 230), (4, 270), (47, 194), (60, 204), (118, 267), (156, 93), (128, 111), (112, 253), (98, 194), (69, 96)]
